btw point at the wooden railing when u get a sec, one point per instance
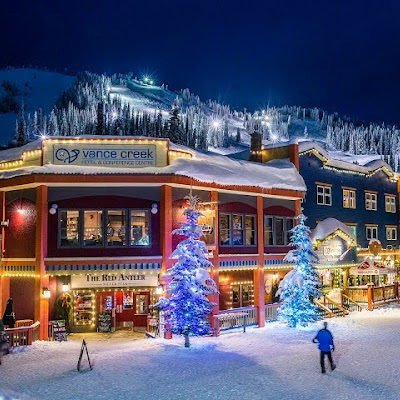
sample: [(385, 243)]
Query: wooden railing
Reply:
[(374, 296), (271, 312), (350, 304), (237, 318), (335, 308), (322, 310), (23, 335)]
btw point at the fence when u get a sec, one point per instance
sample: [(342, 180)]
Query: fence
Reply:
[(23, 335), (271, 312)]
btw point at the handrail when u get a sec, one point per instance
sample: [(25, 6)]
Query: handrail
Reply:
[(237, 310), (344, 311), (326, 309), (360, 308), (21, 336)]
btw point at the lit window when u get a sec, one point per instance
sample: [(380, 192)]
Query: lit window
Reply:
[(372, 232), (391, 233), (224, 229), (370, 201), (142, 304), (237, 230), (324, 195), (390, 204), (140, 228), (349, 198), (69, 228), (116, 228), (93, 228)]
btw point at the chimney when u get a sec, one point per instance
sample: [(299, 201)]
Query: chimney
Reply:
[(256, 147)]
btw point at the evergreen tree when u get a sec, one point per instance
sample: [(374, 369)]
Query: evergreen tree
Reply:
[(174, 129), (238, 139), (100, 128), (300, 285), (21, 136), (187, 310)]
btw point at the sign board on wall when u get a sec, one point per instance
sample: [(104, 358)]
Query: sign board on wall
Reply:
[(120, 279), (126, 154), (331, 251)]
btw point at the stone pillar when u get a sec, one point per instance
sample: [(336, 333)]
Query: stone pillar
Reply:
[(258, 274), (42, 282)]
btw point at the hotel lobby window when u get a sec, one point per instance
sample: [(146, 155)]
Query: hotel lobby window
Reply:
[(116, 228), (140, 228), (92, 228), (69, 228)]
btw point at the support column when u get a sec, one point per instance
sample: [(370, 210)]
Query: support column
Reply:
[(258, 274), (215, 268), (4, 281), (41, 238)]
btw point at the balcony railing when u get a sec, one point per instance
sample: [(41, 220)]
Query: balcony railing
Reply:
[(271, 312)]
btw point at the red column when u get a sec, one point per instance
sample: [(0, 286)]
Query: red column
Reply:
[(4, 281), (258, 274), (215, 268), (41, 303), (166, 227)]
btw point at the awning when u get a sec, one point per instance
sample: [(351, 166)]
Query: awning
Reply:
[(369, 267)]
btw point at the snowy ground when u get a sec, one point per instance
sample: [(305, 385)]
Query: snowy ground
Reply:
[(270, 363)]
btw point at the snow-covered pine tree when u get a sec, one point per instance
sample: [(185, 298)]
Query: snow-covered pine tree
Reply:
[(21, 135), (174, 128), (302, 284), (100, 128), (187, 310)]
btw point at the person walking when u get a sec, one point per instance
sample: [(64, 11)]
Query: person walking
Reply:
[(326, 346), (9, 314)]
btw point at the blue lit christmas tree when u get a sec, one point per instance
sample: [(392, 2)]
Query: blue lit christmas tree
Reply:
[(187, 308), (300, 285)]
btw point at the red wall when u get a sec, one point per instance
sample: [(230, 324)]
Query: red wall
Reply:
[(20, 234), (22, 291), (99, 202)]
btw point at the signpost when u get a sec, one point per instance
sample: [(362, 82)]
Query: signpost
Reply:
[(83, 348), (59, 330)]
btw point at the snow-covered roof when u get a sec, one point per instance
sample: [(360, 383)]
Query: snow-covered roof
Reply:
[(329, 226), (365, 164), (276, 174)]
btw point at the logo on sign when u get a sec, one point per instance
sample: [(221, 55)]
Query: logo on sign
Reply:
[(65, 156)]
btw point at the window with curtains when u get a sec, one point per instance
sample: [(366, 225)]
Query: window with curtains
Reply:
[(237, 229)]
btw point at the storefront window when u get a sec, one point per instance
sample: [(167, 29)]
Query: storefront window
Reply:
[(224, 226), (69, 228), (127, 301), (83, 307), (140, 228), (116, 228), (92, 228), (237, 231), (142, 304), (250, 230)]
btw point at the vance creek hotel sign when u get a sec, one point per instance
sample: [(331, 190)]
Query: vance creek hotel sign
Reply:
[(106, 154)]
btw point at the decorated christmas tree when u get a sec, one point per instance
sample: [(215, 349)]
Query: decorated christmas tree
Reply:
[(187, 308), (300, 285)]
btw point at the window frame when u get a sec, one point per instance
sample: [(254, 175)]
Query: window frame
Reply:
[(391, 229), (371, 201), (104, 227), (324, 194), (370, 227), (349, 198), (285, 231), (391, 203), (230, 229)]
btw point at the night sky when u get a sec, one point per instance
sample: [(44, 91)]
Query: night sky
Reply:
[(339, 55)]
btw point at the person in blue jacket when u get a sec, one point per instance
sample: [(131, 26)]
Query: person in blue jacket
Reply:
[(324, 339)]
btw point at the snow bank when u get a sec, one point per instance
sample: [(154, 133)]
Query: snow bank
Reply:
[(329, 226)]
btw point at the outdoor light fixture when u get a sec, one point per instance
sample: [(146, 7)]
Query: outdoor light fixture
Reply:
[(65, 287), (53, 209), (159, 289), (20, 211), (46, 293), (154, 208)]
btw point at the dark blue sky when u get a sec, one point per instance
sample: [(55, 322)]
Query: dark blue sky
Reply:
[(339, 55)]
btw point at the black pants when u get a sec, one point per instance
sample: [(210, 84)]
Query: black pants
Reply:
[(322, 359)]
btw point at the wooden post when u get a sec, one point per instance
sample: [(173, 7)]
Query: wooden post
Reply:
[(370, 294), (258, 275), (41, 238), (215, 269), (396, 289)]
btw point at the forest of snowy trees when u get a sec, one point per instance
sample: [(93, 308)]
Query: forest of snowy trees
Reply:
[(90, 108)]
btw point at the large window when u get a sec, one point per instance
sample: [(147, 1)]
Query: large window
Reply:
[(391, 233), (99, 228), (237, 230), (69, 228), (371, 232), (390, 204), (92, 228), (349, 198), (324, 195), (371, 201), (277, 230), (116, 228)]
